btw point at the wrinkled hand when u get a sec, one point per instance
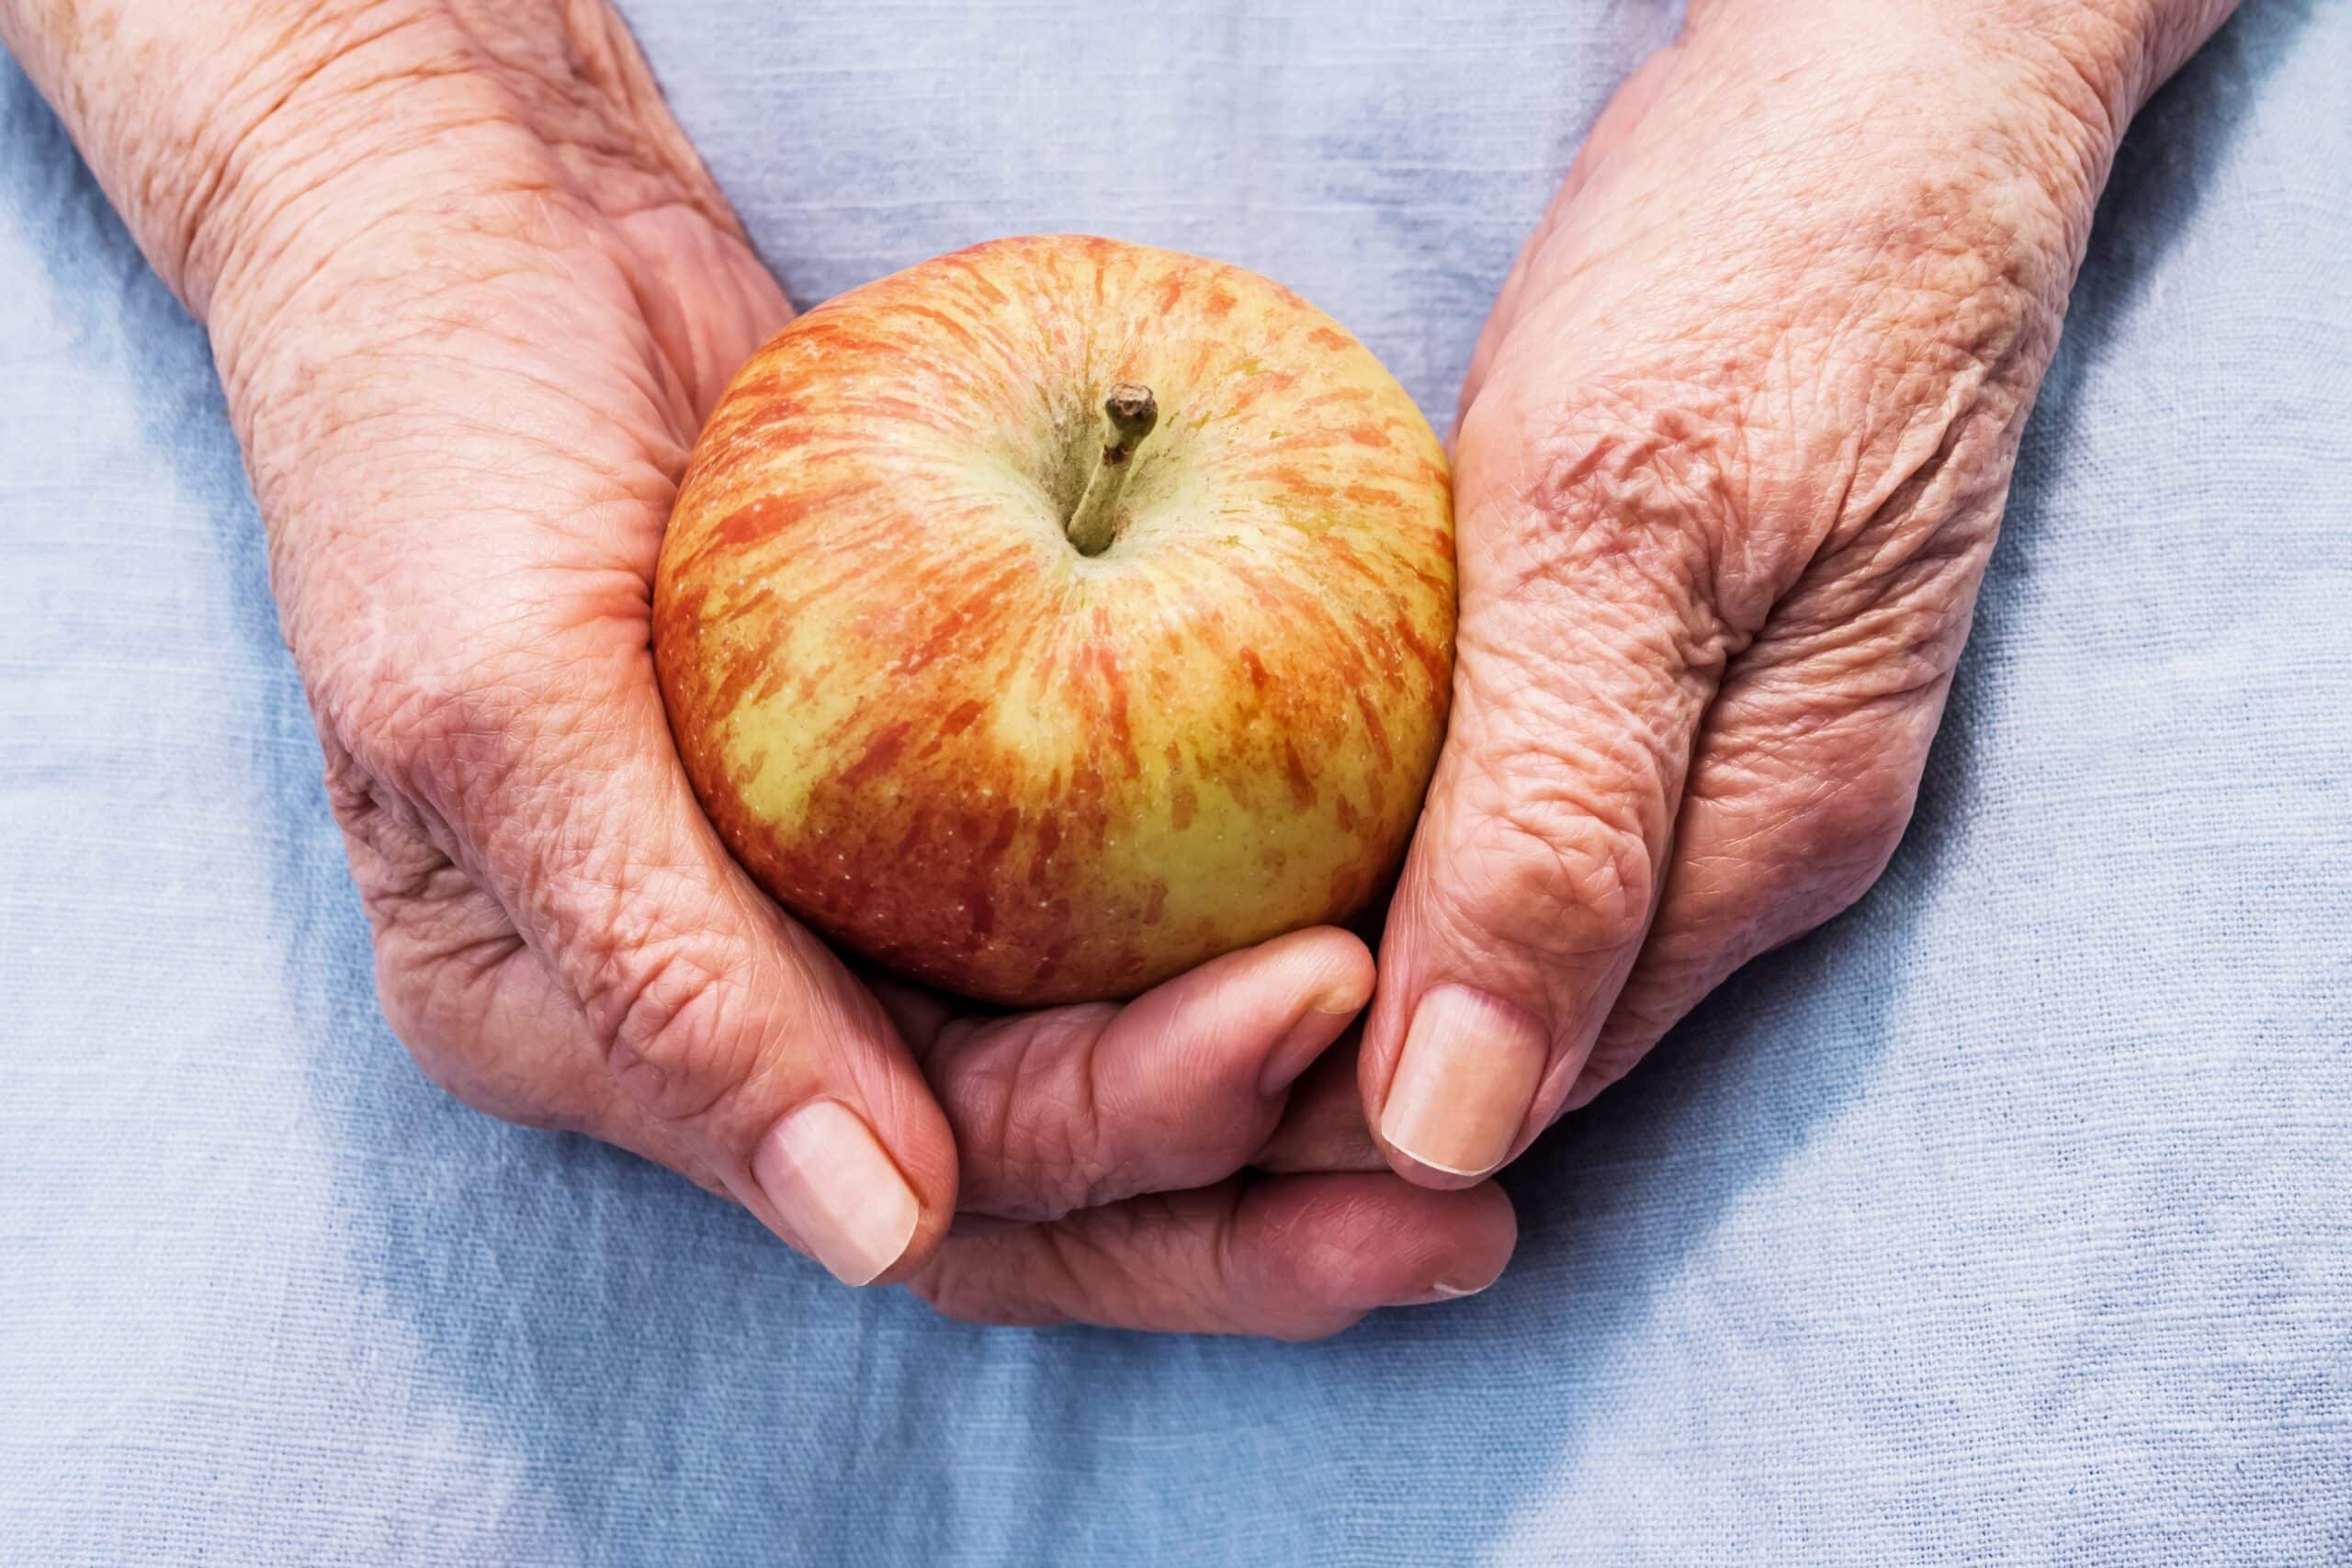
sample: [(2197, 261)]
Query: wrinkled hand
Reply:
[(1732, 456), (1103, 1153), (471, 294)]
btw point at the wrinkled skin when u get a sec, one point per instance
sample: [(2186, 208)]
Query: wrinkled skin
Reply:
[(466, 363), (1730, 461)]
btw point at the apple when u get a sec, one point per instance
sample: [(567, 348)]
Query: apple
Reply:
[(1054, 616)]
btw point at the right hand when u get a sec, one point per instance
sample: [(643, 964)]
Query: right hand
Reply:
[(467, 361)]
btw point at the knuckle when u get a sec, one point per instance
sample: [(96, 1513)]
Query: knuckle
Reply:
[(434, 1004), (1816, 814), (394, 859), (1806, 789), (412, 1004), (414, 1011), (440, 954), (440, 732), (1544, 873), (1803, 865), (669, 1026), (1884, 630), (1026, 1109)]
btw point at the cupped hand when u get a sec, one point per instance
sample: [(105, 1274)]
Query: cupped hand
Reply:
[(1118, 1161), (466, 357), (1731, 458)]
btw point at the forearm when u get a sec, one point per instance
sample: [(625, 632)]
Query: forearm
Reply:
[(267, 156), (1854, 131), (389, 213), (220, 133)]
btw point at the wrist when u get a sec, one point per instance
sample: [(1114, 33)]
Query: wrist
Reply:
[(2112, 54), (472, 125), (2045, 85), (368, 203), (245, 145)]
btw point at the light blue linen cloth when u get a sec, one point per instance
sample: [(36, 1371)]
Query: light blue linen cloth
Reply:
[(2008, 1220)]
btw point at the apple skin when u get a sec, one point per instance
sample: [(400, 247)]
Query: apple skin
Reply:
[(950, 742)]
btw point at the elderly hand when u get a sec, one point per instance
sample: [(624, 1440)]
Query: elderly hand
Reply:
[(471, 294), (1732, 455)]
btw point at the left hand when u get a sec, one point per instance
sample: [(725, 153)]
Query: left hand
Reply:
[(472, 295), (1733, 453)]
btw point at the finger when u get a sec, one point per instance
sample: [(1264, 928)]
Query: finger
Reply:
[(1081, 1106), (1588, 652), (1323, 1127), (1803, 781), (727, 1023), (1293, 1258)]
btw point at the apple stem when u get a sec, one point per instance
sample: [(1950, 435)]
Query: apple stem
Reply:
[(1128, 415)]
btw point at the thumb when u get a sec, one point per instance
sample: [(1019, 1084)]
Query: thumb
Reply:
[(1586, 656), (729, 1034)]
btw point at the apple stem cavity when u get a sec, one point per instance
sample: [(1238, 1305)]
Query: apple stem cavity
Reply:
[(1128, 415)]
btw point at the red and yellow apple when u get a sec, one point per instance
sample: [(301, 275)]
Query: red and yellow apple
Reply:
[(1052, 616)]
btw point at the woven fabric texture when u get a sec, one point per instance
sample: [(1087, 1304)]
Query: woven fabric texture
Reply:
[(2009, 1219)]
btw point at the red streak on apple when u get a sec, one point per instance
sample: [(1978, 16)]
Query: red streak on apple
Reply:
[(948, 741)]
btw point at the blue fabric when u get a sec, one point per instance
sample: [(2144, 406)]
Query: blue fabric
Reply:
[(2009, 1219)]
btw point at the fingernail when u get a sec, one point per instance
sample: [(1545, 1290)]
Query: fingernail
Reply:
[(1316, 1027), (835, 1184), (1443, 1291), (1462, 1086)]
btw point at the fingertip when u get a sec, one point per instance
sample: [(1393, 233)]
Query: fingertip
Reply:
[(1252, 1020), (1323, 1127), (1331, 979), (1348, 1244), (1354, 975), (1435, 1177), (1324, 968), (1480, 1232), (833, 1189), (1488, 1234), (1483, 1233)]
